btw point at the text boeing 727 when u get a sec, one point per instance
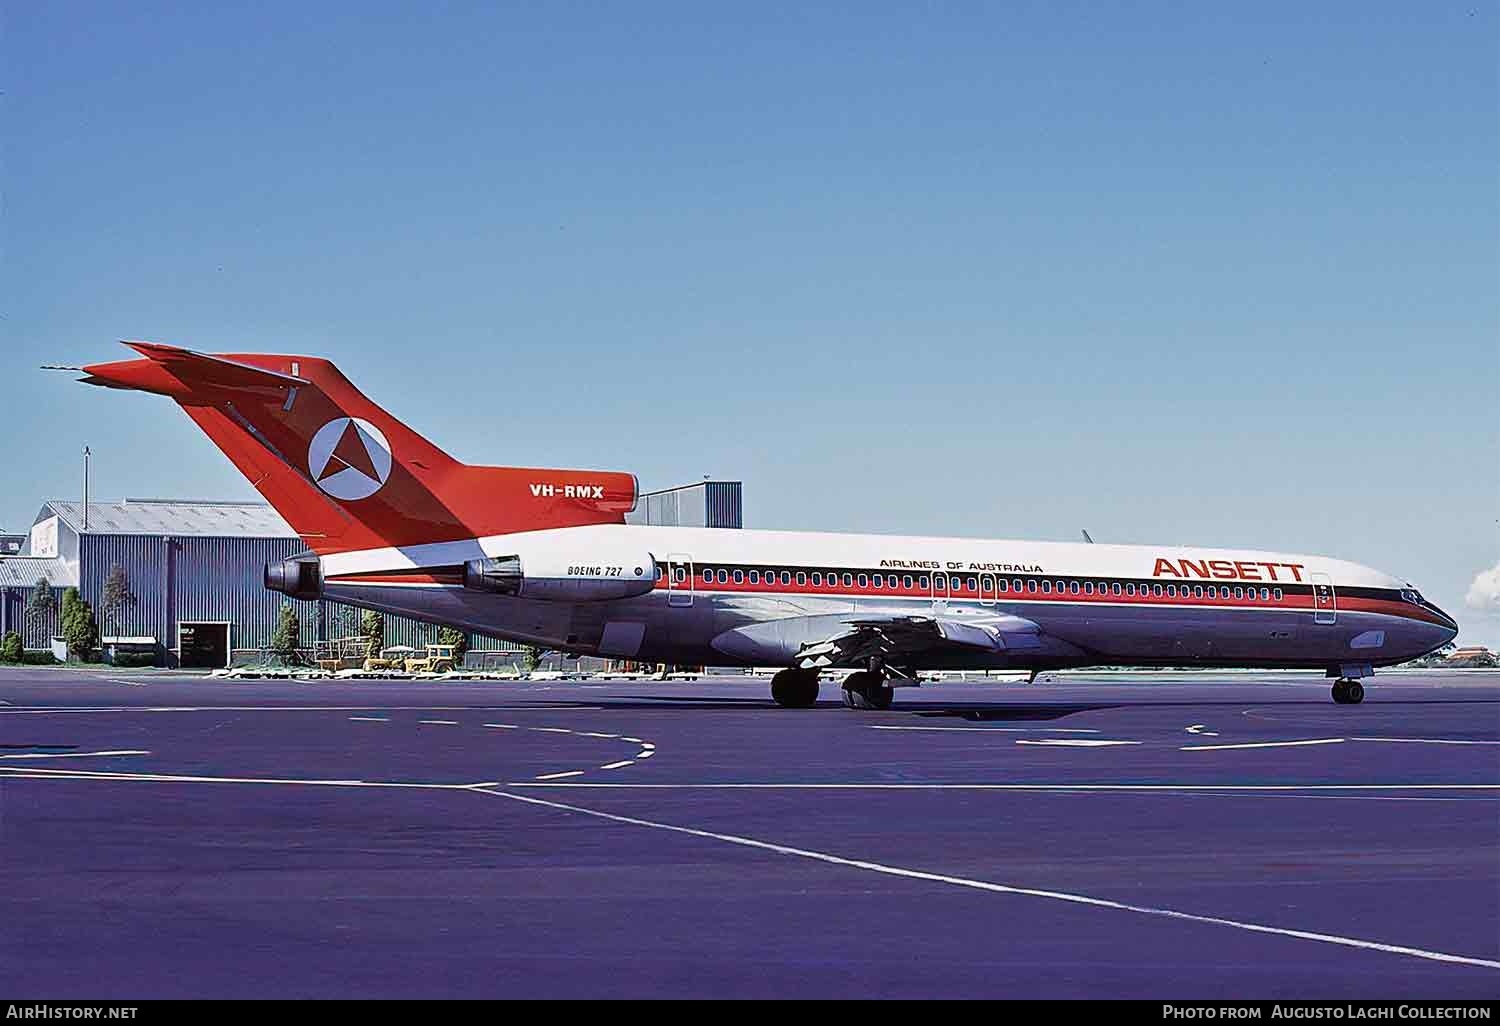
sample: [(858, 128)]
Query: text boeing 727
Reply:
[(544, 556)]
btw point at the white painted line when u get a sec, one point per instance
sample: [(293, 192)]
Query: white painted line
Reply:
[(985, 885), (504, 726), (441, 723), (371, 719), (1425, 741), (619, 765), (70, 755), (633, 740), (1197, 728), (646, 753), (1227, 788), (128, 683), (559, 776), (552, 730), (38, 773), (1264, 744), (46, 710), (999, 730), (590, 733), (1073, 742)]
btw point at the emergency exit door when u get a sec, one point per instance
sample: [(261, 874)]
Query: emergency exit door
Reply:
[(1325, 601)]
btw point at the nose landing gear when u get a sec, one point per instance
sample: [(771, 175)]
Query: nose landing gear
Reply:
[(1347, 691)]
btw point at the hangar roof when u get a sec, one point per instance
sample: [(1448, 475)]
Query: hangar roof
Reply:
[(22, 571), (204, 518)]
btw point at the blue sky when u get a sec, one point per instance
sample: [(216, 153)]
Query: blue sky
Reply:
[(1197, 273)]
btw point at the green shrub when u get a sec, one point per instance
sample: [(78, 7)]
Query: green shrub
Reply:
[(132, 659), (39, 659), (79, 628), (11, 650)]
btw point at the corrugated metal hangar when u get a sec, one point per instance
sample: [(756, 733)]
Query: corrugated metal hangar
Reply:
[(194, 569)]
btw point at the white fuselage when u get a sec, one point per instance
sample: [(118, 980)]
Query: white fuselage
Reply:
[(744, 597)]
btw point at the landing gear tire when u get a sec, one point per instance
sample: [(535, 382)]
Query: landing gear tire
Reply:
[(795, 689), (867, 690), (1348, 692)]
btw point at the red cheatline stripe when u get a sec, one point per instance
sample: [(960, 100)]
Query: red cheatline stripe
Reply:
[(1303, 602)]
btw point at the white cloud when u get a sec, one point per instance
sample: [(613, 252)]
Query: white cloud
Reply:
[(1484, 593)]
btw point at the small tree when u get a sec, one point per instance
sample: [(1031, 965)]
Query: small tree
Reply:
[(117, 597), (41, 607), (11, 650), (79, 629), (287, 636), (458, 639), (372, 626), (531, 657)]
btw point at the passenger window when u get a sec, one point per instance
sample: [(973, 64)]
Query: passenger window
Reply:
[(1265, 593), (879, 581), (1004, 584), (922, 582), (1278, 594), (708, 577), (890, 580), (817, 579), (1073, 587), (1046, 587), (1130, 589), (1088, 587), (739, 577), (1239, 593), (848, 580), (973, 584), (1197, 591), (723, 576), (940, 582), (1171, 591), (786, 577), (1031, 585), (1117, 589), (864, 581), (1213, 591), (906, 582), (754, 576), (1156, 591), (801, 577)]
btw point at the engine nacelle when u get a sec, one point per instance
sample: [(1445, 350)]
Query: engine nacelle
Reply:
[(298, 578), (591, 576)]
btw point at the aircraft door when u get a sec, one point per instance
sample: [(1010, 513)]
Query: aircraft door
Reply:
[(679, 579), (939, 592), (1325, 601), (988, 594)]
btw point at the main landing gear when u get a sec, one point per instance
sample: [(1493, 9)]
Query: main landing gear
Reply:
[(868, 689), (795, 689), (1347, 691)]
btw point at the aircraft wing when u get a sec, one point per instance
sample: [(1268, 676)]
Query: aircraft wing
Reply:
[(894, 636)]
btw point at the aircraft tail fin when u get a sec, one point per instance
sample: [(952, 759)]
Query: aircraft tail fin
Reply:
[(344, 472)]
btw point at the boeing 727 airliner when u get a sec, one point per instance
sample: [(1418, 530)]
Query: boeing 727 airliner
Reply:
[(544, 556)]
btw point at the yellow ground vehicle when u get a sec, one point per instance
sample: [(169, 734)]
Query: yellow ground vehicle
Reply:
[(439, 659), (393, 658), (340, 654)]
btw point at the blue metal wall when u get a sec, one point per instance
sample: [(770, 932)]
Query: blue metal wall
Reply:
[(215, 579)]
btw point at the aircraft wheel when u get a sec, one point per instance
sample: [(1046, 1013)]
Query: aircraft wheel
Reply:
[(795, 689), (866, 690), (1348, 692)]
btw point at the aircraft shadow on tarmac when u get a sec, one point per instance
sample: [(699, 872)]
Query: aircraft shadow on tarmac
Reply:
[(1001, 710)]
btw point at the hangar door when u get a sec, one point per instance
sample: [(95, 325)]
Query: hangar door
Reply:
[(203, 645)]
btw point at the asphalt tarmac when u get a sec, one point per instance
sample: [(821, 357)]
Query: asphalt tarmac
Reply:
[(1171, 836)]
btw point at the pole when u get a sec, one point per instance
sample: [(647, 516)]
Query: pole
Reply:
[(86, 455)]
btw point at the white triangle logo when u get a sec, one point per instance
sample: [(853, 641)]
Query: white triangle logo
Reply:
[(349, 458)]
